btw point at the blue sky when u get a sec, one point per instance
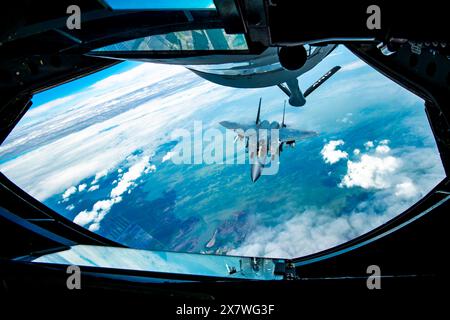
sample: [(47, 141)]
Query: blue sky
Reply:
[(80, 84), (161, 4)]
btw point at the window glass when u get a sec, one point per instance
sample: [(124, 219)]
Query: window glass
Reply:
[(199, 40), (139, 153), (161, 4), (168, 262)]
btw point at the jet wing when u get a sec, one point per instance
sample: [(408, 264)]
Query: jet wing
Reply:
[(287, 135), (236, 126)]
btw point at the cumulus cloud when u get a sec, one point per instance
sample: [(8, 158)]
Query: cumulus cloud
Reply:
[(81, 187), (406, 189), (70, 191), (96, 215), (307, 232), (93, 188), (382, 149), (378, 169), (168, 156), (370, 172), (330, 154), (92, 218), (99, 175), (133, 173), (85, 217), (150, 168), (368, 145)]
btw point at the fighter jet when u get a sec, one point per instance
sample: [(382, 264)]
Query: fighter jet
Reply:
[(258, 140)]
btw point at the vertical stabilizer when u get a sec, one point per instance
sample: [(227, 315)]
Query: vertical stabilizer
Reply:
[(259, 111)]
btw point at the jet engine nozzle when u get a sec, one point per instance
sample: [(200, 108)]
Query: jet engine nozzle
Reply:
[(256, 170)]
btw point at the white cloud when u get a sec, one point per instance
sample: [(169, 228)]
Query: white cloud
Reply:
[(111, 87), (94, 227), (353, 65), (93, 188), (70, 207), (70, 191), (105, 205), (98, 212), (370, 172), (406, 189), (99, 175), (307, 232), (49, 106), (168, 156), (368, 145), (81, 187), (138, 76), (330, 154), (150, 168), (85, 217), (133, 173), (382, 149), (377, 169), (91, 219), (346, 118)]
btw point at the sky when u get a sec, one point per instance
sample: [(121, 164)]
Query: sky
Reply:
[(78, 85), (160, 4)]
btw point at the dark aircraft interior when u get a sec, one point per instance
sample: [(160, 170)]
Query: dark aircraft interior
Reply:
[(39, 52)]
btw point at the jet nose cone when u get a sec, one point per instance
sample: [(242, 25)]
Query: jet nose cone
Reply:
[(256, 170)]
